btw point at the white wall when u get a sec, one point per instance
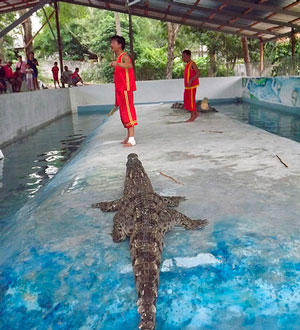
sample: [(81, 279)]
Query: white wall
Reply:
[(158, 91), (22, 112)]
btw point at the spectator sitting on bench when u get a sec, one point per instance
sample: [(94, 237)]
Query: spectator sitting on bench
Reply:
[(3, 86)]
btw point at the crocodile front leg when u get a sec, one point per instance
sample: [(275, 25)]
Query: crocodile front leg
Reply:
[(172, 201), (123, 225), (108, 206)]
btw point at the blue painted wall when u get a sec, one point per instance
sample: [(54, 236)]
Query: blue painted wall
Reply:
[(276, 91)]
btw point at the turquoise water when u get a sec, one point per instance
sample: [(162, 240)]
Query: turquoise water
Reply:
[(34, 160), (273, 121)]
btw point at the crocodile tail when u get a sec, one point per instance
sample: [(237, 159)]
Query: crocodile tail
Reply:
[(146, 265)]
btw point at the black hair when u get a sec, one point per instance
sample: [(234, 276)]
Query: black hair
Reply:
[(120, 40), (76, 69), (55, 63), (187, 52)]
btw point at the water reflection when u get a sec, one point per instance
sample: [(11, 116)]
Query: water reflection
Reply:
[(34, 160)]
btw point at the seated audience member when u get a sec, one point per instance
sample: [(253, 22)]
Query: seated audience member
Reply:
[(8, 71), (17, 79), (76, 77), (66, 77), (3, 86)]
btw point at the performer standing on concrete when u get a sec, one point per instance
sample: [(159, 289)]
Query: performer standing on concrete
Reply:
[(124, 87), (191, 82)]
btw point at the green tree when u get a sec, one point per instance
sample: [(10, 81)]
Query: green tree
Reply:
[(6, 43)]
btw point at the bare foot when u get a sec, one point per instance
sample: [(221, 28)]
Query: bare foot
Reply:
[(127, 145), (125, 141), (193, 117)]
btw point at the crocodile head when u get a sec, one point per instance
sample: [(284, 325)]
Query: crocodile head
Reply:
[(136, 180)]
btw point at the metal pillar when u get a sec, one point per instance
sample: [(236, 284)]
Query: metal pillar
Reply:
[(58, 38), (261, 59)]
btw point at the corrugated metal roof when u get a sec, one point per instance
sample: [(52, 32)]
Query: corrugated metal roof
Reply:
[(262, 19)]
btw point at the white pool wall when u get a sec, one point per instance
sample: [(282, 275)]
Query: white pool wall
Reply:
[(22, 113), (158, 91)]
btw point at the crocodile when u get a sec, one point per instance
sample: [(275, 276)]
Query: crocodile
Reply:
[(145, 217)]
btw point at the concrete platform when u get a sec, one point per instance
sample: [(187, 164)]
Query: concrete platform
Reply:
[(62, 270)]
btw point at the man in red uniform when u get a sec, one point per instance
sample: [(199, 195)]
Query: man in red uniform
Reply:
[(124, 87), (191, 82)]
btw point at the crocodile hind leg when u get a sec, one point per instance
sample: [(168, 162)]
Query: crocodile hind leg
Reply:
[(172, 201), (108, 206), (170, 218), (184, 221)]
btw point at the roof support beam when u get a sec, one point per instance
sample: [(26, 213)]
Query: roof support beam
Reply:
[(41, 4), (230, 14), (195, 23), (214, 21), (267, 8)]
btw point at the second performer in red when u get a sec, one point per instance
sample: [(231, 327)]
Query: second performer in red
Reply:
[(191, 82)]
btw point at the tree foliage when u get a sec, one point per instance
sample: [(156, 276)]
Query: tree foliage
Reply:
[(6, 43)]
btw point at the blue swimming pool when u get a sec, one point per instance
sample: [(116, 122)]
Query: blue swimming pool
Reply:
[(274, 121), (32, 161)]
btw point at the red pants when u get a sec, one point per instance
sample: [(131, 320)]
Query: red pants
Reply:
[(124, 100), (190, 99)]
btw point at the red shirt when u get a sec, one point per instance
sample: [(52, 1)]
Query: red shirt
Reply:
[(189, 73), (8, 71), (75, 75), (124, 78), (17, 75), (55, 70)]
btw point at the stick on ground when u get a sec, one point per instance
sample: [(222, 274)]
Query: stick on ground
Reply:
[(112, 111), (281, 161), (167, 176)]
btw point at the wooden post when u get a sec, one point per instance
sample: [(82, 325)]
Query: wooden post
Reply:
[(261, 53), (58, 38), (293, 42), (131, 37), (118, 25), (49, 24), (246, 56), (293, 45)]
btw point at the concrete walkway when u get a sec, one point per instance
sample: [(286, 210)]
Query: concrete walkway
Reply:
[(242, 271)]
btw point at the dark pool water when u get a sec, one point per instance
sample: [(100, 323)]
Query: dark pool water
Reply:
[(32, 161)]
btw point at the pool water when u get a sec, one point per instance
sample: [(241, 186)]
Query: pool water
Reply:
[(60, 269), (34, 160), (273, 121)]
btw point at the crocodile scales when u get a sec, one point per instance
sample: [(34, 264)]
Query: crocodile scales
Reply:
[(145, 217)]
